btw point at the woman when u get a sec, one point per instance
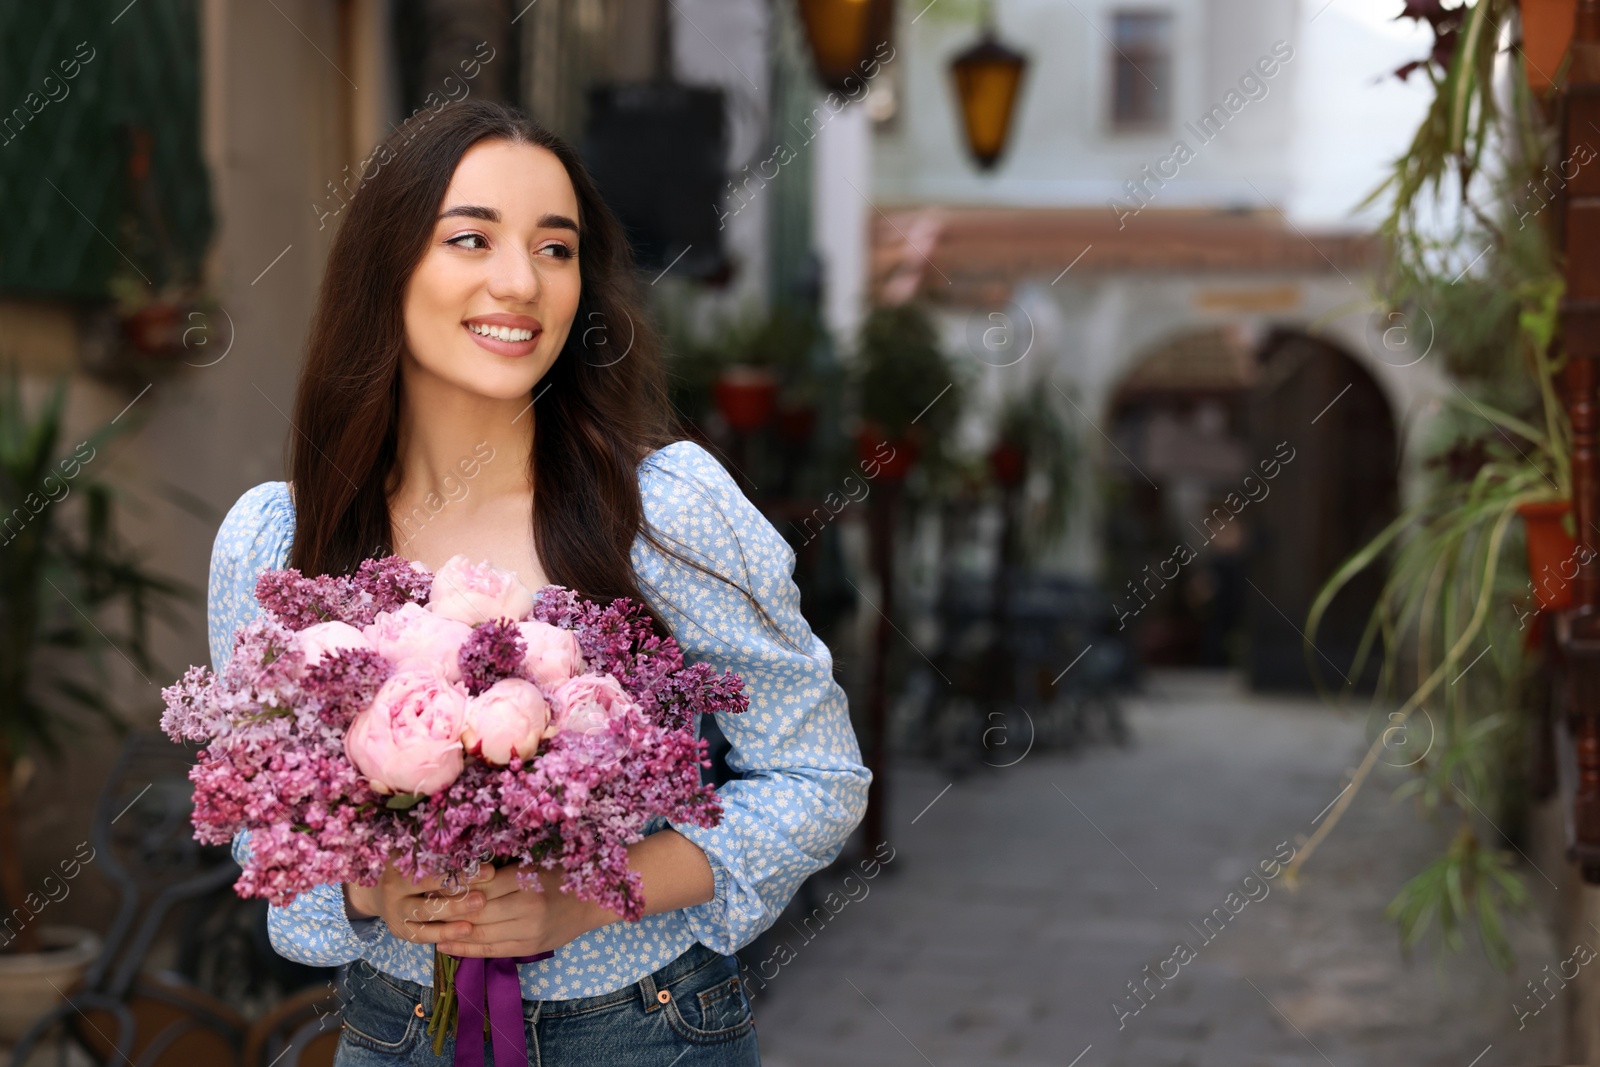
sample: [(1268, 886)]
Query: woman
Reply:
[(480, 381)]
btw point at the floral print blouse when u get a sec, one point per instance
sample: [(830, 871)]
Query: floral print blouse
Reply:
[(802, 787)]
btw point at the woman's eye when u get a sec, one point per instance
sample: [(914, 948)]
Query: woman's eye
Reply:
[(461, 241), (559, 251)]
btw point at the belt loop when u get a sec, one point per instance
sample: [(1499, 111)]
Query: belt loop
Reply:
[(647, 989)]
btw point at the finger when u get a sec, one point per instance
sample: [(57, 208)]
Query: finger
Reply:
[(525, 908), (492, 950), (506, 882), (517, 928), (430, 883), (439, 885), (431, 933), (435, 933), (410, 895), (443, 909), (431, 908)]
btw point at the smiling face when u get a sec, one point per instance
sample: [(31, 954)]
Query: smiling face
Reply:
[(490, 303)]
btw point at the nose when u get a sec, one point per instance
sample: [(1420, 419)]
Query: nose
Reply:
[(514, 276)]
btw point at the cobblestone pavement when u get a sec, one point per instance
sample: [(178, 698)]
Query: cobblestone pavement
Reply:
[(1020, 903)]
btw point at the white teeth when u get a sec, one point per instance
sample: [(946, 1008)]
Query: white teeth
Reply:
[(500, 333)]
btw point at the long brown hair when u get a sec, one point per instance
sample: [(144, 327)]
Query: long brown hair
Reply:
[(602, 417)]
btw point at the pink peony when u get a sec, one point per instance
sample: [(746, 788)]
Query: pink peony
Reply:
[(326, 638), (409, 740), (505, 720), (415, 639), (477, 592), (553, 654), (586, 704)]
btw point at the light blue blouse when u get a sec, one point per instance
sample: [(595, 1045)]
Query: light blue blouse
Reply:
[(802, 785)]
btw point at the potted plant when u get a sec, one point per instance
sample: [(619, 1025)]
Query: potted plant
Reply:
[(789, 339), (750, 368), (152, 320), (1546, 34), (1491, 288), (768, 373), (1034, 444), (1552, 551), (158, 281), (1035, 440), (907, 389), (70, 593), (745, 396), (1009, 463)]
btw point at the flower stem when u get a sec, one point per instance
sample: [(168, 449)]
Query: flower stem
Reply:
[(443, 1020)]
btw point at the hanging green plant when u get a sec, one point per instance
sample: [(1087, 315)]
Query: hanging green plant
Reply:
[(1446, 624), (70, 592), (1036, 448)]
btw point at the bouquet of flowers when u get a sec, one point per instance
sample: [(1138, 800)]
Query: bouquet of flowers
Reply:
[(439, 721)]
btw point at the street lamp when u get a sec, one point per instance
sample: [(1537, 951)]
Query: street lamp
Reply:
[(843, 35), (987, 77)]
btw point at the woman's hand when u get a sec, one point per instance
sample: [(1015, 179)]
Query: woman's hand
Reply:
[(502, 919), (416, 911), (493, 917)]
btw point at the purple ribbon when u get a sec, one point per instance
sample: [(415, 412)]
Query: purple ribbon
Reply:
[(491, 982)]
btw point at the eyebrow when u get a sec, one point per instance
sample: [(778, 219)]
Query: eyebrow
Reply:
[(489, 214)]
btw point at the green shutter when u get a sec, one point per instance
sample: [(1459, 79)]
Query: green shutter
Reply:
[(70, 148)]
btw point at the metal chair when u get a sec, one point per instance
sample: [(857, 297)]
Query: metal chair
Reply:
[(144, 844), (302, 1031), (1054, 658)]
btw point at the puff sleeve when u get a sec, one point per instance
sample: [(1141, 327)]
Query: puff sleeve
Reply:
[(255, 536), (802, 787)]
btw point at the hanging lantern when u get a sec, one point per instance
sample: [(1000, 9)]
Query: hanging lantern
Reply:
[(844, 35), (987, 77)]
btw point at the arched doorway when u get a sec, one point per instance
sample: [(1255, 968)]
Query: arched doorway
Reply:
[(1339, 491), (1242, 478)]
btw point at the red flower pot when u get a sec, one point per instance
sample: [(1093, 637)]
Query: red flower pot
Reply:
[(745, 397), (1552, 553), (1009, 464), (903, 452), (795, 425), (1547, 27), (153, 328)]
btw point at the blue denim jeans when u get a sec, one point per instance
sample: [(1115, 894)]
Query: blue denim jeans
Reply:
[(693, 1012)]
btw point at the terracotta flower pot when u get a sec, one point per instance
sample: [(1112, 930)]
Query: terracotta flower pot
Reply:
[(153, 328), (745, 397), (795, 425), (1009, 464), (905, 450), (29, 983), (1552, 553), (1546, 32)]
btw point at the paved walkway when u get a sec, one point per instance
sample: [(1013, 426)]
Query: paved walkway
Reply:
[(1020, 905)]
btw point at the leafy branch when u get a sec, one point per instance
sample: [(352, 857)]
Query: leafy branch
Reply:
[(1452, 556)]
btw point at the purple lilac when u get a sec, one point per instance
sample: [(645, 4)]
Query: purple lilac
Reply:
[(274, 762), (494, 651)]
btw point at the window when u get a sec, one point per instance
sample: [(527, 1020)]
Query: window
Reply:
[(1141, 67)]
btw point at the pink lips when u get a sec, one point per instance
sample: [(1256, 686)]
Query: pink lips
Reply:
[(514, 322)]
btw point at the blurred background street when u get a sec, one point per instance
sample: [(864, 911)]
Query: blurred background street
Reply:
[(1022, 900), (1183, 414)]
